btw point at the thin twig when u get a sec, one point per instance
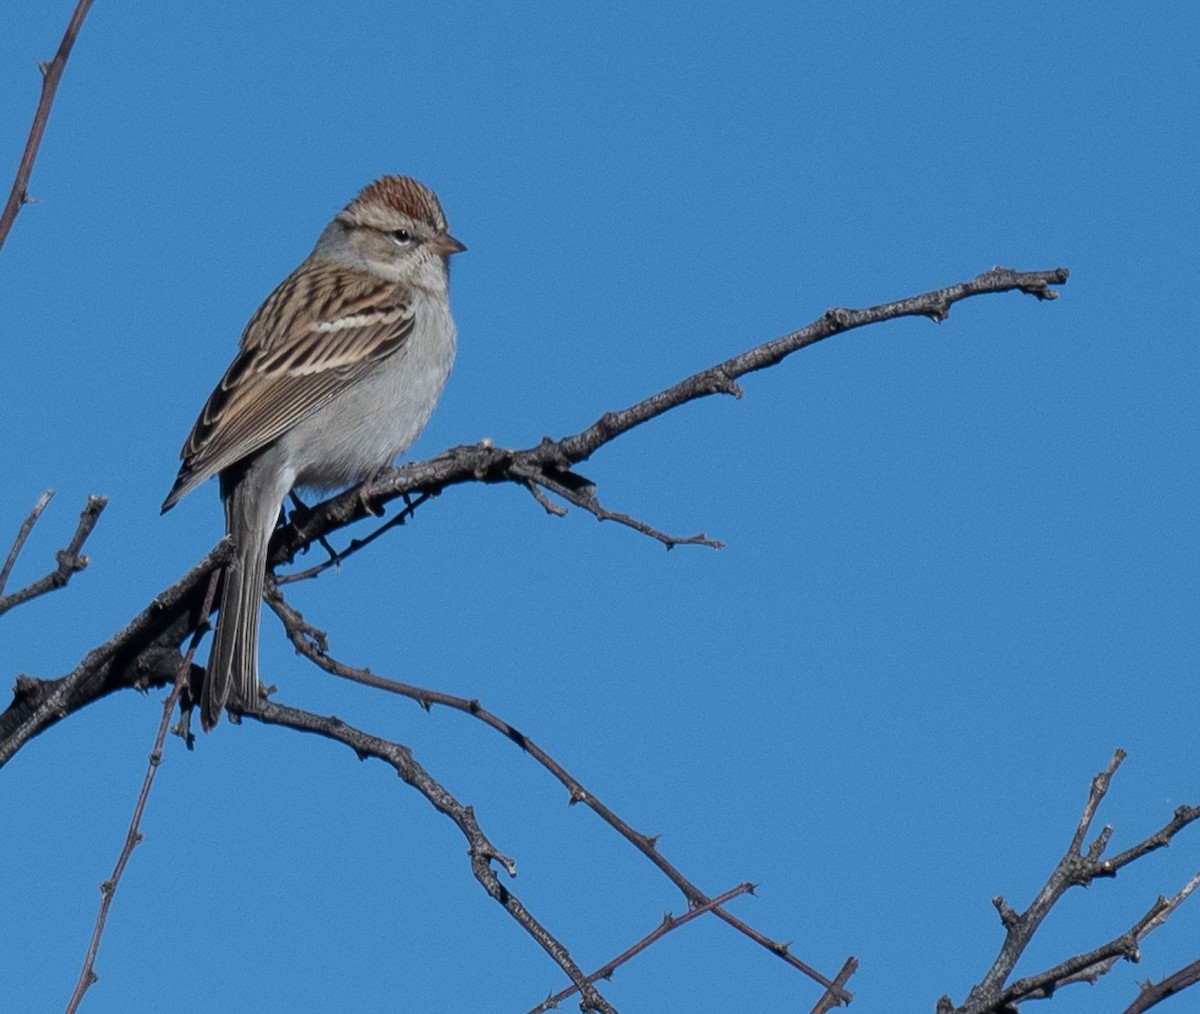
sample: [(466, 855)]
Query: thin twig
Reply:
[(336, 558), (586, 499), (311, 643), (134, 837), (1161, 838), (51, 74), (1089, 967), (23, 534), (1100, 784), (70, 560), (548, 505), (669, 923)]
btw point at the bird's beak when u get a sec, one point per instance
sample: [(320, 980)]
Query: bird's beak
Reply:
[(445, 244)]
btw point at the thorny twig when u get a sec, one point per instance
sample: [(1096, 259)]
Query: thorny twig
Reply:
[(669, 923)]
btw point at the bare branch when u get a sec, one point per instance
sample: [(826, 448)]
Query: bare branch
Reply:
[(312, 644), (550, 462), (51, 74), (147, 651), (109, 888), (70, 560), (1021, 928)]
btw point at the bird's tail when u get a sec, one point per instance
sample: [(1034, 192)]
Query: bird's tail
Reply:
[(232, 674)]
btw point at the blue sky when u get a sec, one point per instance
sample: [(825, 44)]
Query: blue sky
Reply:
[(961, 561)]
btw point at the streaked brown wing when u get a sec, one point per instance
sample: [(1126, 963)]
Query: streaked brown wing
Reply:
[(322, 329)]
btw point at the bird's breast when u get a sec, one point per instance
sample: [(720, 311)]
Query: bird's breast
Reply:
[(378, 417)]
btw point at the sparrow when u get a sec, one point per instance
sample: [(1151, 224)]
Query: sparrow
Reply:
[(336, 375)]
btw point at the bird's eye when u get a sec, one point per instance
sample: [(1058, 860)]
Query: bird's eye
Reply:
[(402, 236)]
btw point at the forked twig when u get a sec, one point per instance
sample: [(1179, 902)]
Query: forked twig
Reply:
[(70, 560)]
